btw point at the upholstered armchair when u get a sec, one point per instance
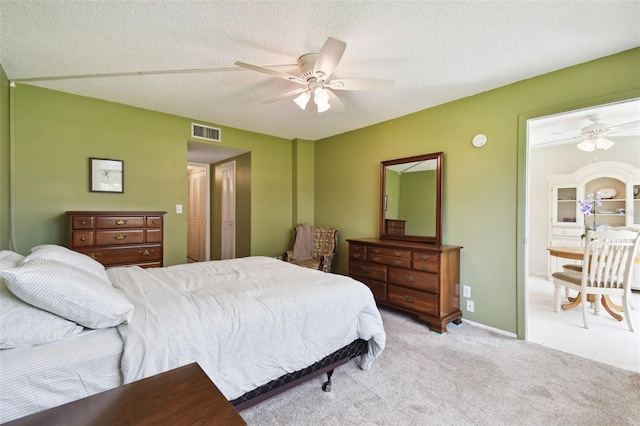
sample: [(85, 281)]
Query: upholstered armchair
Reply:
[(314, 247)]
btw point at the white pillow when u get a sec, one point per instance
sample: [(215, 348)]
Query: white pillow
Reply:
[(9, 259), (69, 292), (24, 325), (70, 257)]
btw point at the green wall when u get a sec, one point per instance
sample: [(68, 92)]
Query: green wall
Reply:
[(56, 133), (4, 161), (482, 186), (302, 183)]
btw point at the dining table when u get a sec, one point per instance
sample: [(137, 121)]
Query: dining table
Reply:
[(577, 253)]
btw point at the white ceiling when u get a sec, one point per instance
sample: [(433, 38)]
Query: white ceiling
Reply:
[(436, 51)]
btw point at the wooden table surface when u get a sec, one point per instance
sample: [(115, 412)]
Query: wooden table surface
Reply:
[(574, 252), (184, 396)]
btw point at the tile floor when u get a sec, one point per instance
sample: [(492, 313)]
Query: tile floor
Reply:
[(606, 340)]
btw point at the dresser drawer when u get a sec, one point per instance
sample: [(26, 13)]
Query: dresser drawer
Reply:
[(146, 254), (391, 252), (154, 222), (119, 237), (82, 222), (388, 260), (420, 265), (154, 236), (357, 251), (367, 270), (111, 222), (415, 279), (414, 300), (426, 261), (378, 288), (82, 238)]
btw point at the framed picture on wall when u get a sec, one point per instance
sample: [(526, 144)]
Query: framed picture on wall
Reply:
[(106, 175)]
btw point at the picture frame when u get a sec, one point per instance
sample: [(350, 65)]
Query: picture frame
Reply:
[(106, 175)]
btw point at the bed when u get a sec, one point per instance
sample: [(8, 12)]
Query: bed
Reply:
[(255, 325)]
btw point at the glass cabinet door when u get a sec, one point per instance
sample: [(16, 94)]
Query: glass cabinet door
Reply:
[(565, 205)]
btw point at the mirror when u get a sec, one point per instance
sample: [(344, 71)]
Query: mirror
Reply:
[(411, 198)]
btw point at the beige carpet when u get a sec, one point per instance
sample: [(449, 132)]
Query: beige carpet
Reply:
[(468, 376)]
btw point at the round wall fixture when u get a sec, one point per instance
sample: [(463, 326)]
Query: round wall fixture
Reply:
[(479, 140)]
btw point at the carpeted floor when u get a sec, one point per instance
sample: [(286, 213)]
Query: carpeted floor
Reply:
[(468, 376)]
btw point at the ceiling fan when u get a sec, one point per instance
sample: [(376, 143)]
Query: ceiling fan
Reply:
[(315, 73), (598, 135)]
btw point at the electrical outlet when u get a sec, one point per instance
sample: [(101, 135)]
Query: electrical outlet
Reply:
[(179, 208), (470, 306), (466, 291)]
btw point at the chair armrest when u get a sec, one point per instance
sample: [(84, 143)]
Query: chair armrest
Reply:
[(325, 262), (287, 256)]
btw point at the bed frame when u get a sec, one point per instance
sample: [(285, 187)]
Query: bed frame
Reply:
[(281, 384)]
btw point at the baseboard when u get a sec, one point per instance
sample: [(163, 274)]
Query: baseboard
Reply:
[(495, 330)]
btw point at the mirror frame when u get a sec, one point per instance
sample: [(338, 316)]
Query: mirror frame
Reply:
[(436, 239)]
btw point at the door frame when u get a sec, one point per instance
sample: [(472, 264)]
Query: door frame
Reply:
[(522, 211)]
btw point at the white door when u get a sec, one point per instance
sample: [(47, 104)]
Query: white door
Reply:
[(228, 210), (197, 213)]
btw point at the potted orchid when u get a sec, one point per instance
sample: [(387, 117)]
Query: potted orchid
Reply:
[(588, 208)]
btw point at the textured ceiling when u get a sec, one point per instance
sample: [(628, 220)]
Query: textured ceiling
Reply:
[(436, 51)]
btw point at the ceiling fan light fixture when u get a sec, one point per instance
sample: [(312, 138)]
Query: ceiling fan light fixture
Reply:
[(323, 107), (302, 99), (602, 143), (320, 96), (587, 145)]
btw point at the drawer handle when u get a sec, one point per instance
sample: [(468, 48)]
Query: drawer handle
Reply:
[(83, 239), (376, 250), (145, 252), (376, 259), (398, 253), (424, 267), (410, 278), (95, 256), (397, 262), (120, 237), (366, 270), (424, 257), (84, 222), (356, 255), (120, 221), (409, 299), (356, 248)]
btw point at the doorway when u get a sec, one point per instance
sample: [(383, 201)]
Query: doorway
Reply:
[(552, 150), (198, 215)]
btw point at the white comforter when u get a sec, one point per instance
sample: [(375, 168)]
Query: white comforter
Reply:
[(245, 321)]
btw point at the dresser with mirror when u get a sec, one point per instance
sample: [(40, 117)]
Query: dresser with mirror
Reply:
[(407, 267)]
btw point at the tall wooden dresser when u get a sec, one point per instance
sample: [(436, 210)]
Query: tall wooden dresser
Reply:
[(423, 279), (118, 238)]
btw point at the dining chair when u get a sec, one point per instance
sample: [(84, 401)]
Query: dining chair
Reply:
[(607, 262)]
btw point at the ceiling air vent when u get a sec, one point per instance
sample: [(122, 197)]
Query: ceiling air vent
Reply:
[(205, 132)]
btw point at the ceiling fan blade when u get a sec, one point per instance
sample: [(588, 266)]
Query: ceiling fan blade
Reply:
[(329, 56), (361, 84), (273, 73), (335, 102), (285, 95), (626, 126)]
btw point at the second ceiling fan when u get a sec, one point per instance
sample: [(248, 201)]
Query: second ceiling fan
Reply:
[(315, 72)]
